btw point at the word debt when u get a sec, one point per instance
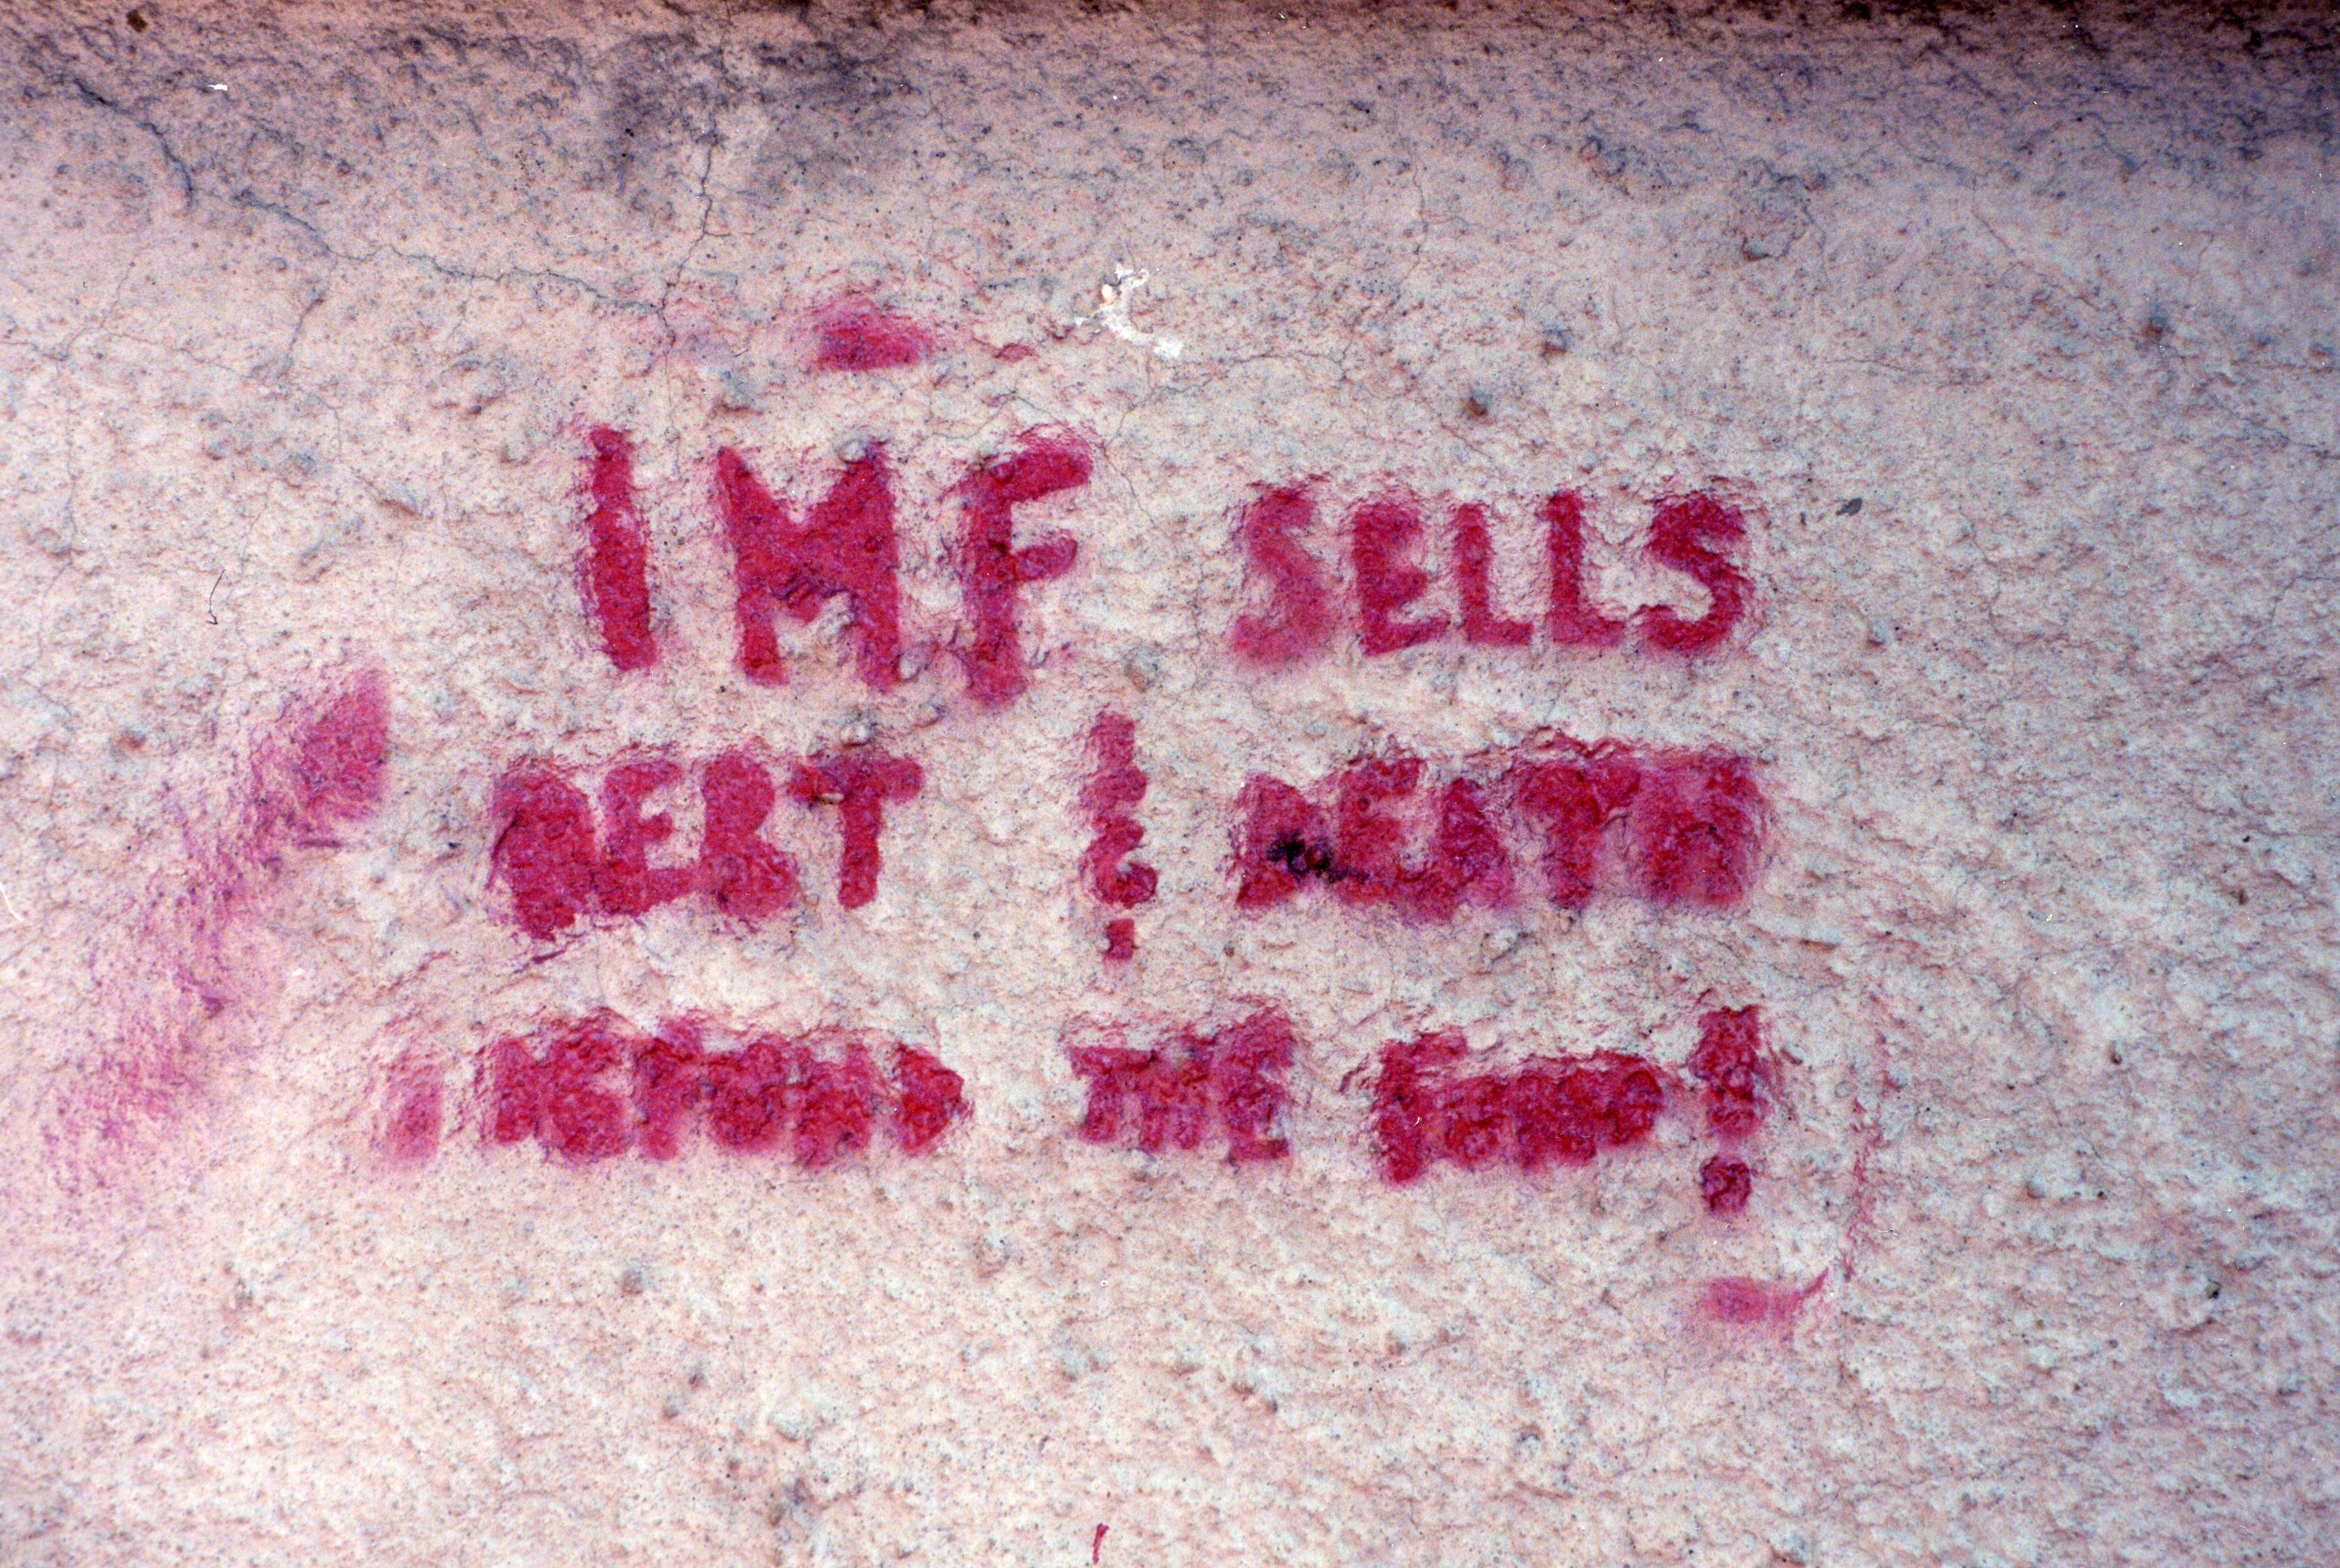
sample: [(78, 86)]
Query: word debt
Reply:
[(846, 546), (556, 867), (592, 1088)]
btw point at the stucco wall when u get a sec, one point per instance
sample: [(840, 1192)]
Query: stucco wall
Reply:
[(2009, 336)]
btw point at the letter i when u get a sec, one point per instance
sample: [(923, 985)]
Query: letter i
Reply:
[(616, 556)]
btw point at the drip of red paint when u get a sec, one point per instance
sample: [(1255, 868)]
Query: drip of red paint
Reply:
[(993, 570), (859, 782), (1234, 1078), (1300, 619), (1117, 784), (846, 546), (1555, 1111), (1726, 1182), (1741, 1301), (856, 336), (1097, 1546), (617, 570), (544, 850), (1679, 536), (1474, 555), (1382, 538)]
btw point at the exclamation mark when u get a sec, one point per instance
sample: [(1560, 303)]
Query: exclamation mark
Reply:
[(1117, 784), (1732, 1063)]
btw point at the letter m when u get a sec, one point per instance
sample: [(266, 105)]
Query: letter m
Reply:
[(845, 545)]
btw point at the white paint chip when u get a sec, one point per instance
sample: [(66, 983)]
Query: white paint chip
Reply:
[(1113, 310)]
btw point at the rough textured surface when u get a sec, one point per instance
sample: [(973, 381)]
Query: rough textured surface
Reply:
[(2010, 338)]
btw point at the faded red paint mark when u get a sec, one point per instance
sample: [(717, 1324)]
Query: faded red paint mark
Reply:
[(591, 1089), (847, 547), (1120, 940), (1172, 1096), (855, 335), (414, 1112), (1674, 828), (617, 558), (342, 755), (201, 963), (1744, 1303), (1726, 1182), (1553, 1110), (993, 570), (1097, 1546), (1869, 1129)]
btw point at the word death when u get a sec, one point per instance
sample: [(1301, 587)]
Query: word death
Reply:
[(1672, 827)]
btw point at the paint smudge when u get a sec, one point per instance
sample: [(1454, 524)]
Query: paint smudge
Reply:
[(199, 955), (855, 335)]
